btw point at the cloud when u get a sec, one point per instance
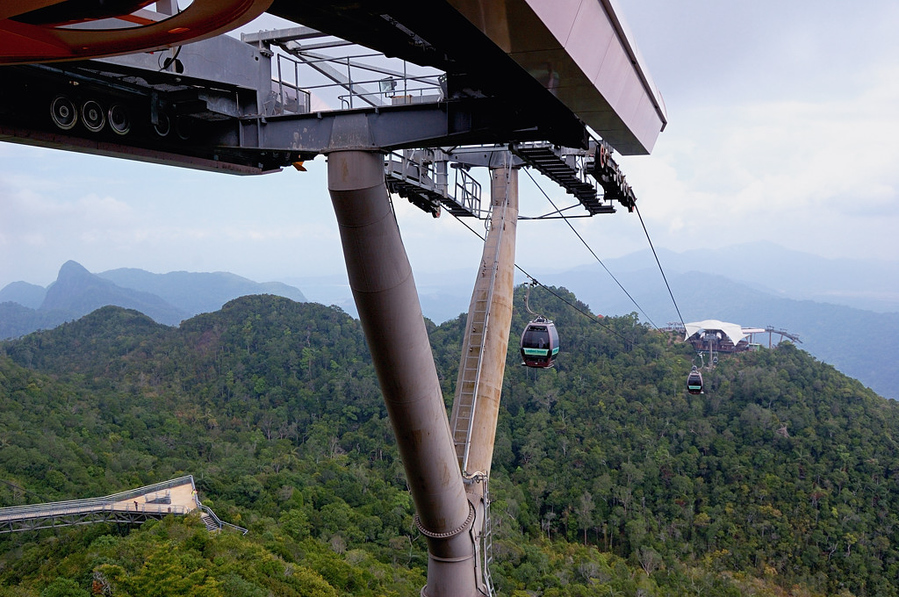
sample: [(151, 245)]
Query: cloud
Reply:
[(706, 52), (179, 221), (28, 211), (812, 171)]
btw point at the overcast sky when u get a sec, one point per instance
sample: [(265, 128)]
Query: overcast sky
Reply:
[(783, 126)]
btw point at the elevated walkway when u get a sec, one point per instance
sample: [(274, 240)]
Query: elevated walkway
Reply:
[(422, 177), (136, 506)]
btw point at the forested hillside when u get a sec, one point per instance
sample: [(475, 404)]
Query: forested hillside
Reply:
[(608, 478)]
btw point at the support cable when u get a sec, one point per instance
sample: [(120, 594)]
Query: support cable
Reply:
[(589, 316), (592, 252), (659, 263)]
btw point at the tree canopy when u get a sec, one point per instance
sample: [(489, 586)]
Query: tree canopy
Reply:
[(608, 476)]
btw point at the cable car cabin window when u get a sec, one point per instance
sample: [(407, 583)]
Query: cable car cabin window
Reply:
[(536, 337), (554, 339), (539, 343)]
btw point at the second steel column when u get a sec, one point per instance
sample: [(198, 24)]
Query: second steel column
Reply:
[(500, 246), (387, 300)]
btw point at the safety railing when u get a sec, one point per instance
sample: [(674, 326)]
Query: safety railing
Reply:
[(468, 190), (348, 82), (221, 523)]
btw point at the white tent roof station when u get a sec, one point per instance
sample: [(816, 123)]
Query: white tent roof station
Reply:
[(732, 330)]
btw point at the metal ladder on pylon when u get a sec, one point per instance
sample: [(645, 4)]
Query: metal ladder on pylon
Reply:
[(471, 374), (485, 537), (472, 359), (487, 540)]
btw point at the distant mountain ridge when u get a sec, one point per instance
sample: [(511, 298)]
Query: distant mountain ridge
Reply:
[(198, 292), (845, 311), (23, 293), (870, 284), (76, 290), (166, 298)]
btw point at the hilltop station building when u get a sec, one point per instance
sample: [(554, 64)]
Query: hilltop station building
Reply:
[(715, 336)]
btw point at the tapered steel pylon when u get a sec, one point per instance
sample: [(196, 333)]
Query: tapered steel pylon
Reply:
[(384, 291), (483, 362)]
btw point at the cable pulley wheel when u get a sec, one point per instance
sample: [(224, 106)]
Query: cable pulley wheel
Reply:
[(163, 125), (183, 127), (119, 120), (93, 116), (63, 112)]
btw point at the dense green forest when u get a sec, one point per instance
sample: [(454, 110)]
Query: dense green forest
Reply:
[(609, 479)]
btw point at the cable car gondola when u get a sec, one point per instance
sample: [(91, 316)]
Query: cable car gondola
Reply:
[(539, 343), (694, 381)]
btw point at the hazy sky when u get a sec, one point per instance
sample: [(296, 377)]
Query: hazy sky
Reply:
[(783, 125)]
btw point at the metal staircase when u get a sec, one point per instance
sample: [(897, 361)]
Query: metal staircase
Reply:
[(210, 523), (565, 168), (590, 175), (214, 523)]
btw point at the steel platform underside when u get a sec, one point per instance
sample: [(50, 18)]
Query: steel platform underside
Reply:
[(567, 56)]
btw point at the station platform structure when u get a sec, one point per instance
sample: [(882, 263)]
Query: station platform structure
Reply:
[(175, 497)]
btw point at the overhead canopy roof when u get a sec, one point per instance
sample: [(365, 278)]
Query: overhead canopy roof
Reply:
[(583, 53), (733, 331), (569, 59)]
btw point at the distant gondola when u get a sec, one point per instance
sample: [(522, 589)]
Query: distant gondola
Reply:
[(694, 381), (539, 343)]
